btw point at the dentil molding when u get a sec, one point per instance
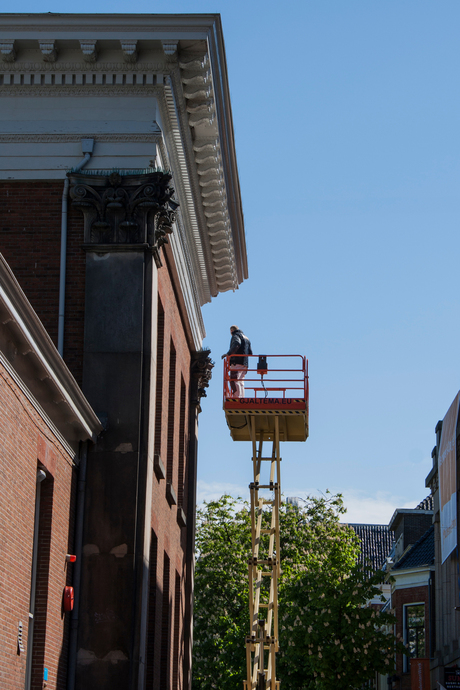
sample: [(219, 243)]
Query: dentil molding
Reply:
[(72, 66), (148, 137), (90, 89)]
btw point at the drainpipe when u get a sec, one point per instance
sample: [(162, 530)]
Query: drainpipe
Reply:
[(41, 475), (87, 146), (78, 550)]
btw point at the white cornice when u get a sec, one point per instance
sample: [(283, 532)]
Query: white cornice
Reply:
[(180, 59), (157, 26), (406, 578), (76, 137)]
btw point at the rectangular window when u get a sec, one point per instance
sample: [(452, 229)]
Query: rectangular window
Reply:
[(39, 580), (171, 414), (182, 444), (176, 645), (152, 642), (159, 382), (414, 632), (165, 650)]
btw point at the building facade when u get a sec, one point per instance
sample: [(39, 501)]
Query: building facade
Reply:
[(410, 567), (445, 657), (121, 217), (45, 426)]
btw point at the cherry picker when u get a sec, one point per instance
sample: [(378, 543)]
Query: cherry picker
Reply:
[(275, 410)]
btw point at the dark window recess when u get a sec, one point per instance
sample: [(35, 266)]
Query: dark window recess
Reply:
[(152, 643), (171, 413), (159, 381), (171, 495), (182, 443), (158, 467), (181, 519), (177, 651), (40, 581), (165, 629)]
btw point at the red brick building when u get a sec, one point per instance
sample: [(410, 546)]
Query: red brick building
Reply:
[(411, 567), (121, 216), (45, 423)]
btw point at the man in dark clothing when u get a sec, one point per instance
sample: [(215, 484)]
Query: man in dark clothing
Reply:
[(239, 345)]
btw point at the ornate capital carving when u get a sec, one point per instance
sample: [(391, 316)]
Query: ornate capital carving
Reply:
[(169, 47), (7, 50), (125, 209), (129, 49), (49, 50), (201, 374), (89, 50)]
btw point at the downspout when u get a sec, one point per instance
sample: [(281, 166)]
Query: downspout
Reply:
[(41, 475), (78, 550), (87, 146)]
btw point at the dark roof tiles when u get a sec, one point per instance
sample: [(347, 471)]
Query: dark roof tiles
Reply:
[(376, 544), (426, 504)]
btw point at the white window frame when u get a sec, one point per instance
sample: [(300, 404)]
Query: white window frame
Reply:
[(406, 659)]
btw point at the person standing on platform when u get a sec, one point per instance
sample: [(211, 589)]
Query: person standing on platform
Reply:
[(239, 345)]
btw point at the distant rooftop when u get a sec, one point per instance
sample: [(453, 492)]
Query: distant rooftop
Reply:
[(421, 553), (426, 504), (376, 544)]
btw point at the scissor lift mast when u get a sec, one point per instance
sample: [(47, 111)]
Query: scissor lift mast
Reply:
[(261, 420)]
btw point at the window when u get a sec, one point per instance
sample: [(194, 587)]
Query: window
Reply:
[(171, 414), (414, 631), (159, 382)]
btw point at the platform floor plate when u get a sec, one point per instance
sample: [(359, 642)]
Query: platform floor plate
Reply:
[(293, 423)]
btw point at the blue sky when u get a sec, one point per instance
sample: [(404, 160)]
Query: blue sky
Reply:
[(346, 116)]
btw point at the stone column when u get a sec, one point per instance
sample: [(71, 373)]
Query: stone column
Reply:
[(126, 221)]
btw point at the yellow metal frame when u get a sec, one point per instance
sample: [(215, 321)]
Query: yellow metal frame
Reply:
[(262, 643)]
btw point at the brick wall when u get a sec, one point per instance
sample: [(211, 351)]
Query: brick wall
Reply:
[(167, 587), (30, 241), (415, 527), (30, 230), (401, 597), (27, 444)]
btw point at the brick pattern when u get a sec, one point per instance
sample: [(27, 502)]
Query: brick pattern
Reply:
[(30, 230), (30, 241), (413, 526), (26, 444), (401, 597), (166, 634)]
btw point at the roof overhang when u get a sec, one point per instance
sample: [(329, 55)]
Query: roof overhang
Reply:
[(401, 512), (189, 77), (30, 357)]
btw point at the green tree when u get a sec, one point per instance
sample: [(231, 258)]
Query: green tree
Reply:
[(329, 637), (223, 543)]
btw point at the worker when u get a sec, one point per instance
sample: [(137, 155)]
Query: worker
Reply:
[(238, 365)]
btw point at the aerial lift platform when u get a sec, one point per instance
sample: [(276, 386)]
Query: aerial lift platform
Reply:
[(274, 409)]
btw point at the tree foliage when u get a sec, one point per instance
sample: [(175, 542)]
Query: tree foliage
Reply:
[(329, 637)]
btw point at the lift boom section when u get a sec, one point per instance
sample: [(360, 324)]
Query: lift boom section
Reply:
[(265, 405)]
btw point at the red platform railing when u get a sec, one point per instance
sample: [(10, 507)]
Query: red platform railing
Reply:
[(285, 377)]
